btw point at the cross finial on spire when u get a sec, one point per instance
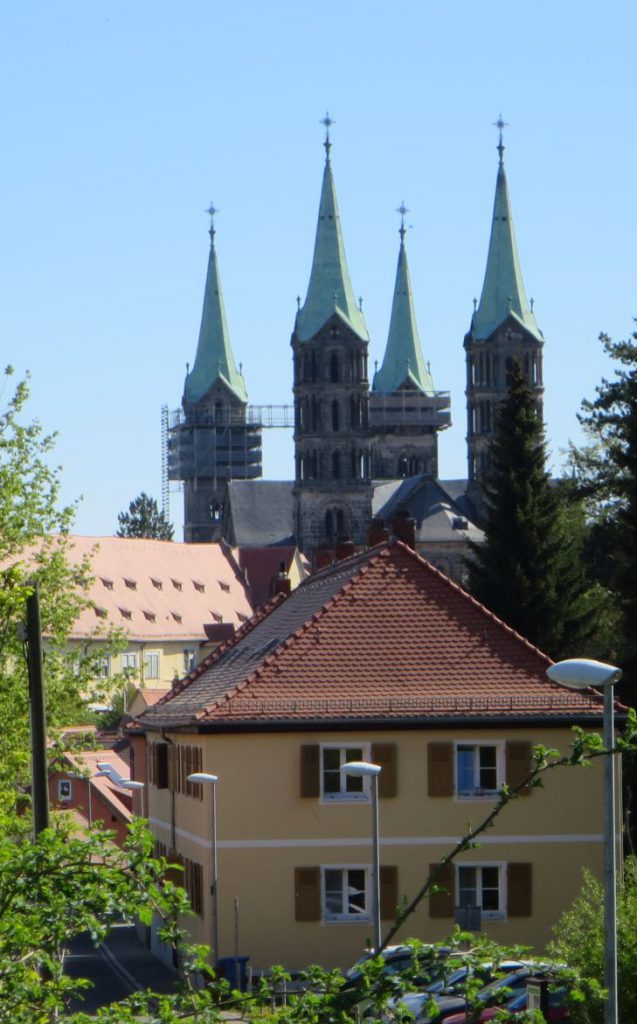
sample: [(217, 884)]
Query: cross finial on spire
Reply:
[(211, 212), (402, 210), (328, 122), (500, 124)]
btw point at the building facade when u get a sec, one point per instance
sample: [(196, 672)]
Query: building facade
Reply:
[(379, 657)]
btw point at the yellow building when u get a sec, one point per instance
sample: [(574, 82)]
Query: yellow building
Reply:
[(379, 657), (171, 601)]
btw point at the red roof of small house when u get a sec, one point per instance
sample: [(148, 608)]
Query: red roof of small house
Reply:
[(85, 763), (380, 637)]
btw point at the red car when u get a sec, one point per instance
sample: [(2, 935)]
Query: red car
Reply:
[(517, 1003)]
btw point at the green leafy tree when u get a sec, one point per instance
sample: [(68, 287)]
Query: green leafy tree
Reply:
[(528, 571), (34, 545), (144, 519), (579, 941)]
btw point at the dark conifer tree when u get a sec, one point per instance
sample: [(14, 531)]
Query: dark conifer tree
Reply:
[(144, 519), (528, 570)]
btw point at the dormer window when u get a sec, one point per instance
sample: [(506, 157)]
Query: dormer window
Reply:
[(100, 612), (158, 585), (225, 587), (131, 584), (126, 613), (107, 583), (176, 616), (199, 586), (176, 584), (150, 616)]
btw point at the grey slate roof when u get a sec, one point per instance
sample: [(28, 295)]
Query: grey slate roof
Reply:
[(259, 513), (440, 512)]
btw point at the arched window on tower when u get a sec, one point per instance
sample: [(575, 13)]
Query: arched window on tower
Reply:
[(334, 368), (335, 416), (336, 465), (316, 414)]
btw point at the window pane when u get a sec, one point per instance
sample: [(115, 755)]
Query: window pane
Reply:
[(465, 772), (333, 892), (490, 889), (467, 895), (355, 891), (488, 768), (331, 770), (353, 783)]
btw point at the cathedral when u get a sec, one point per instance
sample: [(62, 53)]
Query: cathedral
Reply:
[(365, 453)]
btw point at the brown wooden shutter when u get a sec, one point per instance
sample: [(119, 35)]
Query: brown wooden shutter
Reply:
[(519, 758), (442, 904), (388, 892), (440, 764), (384, 754), (307, 894), (161, 765), (310, 755), (173, 874), (520, 886)]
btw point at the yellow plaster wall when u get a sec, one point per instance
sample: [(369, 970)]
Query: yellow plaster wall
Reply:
[(265, 830)]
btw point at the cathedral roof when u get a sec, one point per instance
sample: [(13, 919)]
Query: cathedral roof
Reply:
[(503, 292), (330, 289), (403, 364), (214, 360)]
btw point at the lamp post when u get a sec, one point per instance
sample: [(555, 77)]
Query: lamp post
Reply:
[(579, 674), (139, 786), (212, 780), (365, 769)]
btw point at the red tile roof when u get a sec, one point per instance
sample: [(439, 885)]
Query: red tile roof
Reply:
[(381, 636)]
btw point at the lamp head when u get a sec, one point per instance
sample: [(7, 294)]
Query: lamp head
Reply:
[(203, 777), (580, 673), (360, 768)]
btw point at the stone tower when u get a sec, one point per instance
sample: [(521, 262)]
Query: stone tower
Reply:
[(332, 490), (405, 411), (503, 330), (213, 440)]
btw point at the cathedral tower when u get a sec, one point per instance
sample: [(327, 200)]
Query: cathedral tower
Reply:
[(213, 440), (332, 488), (503, 331), (405, 411)]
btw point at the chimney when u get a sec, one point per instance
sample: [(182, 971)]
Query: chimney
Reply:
[(345, 548), (281, 583), (377, 533), (323, 557), (404, 527)]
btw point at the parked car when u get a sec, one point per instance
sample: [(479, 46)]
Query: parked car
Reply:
[(557, 1010), (447, 1005)]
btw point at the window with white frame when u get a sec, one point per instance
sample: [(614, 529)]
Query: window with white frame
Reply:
[(345, 894), (129, 661), (189, 658), (481, 885), (479, 769), (103, 667), (151, 665), (337, 785), (65, 789)]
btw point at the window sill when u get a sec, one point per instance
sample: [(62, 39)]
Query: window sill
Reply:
[(345, 798)]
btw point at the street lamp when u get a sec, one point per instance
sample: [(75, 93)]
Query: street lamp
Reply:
[(212, 780), (139, 786), (362, 769), (107, 770), (579, 674)]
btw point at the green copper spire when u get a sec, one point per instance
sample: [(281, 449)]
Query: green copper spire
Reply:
[(330, 289), (214, 360), (403, 364), (503, 292)]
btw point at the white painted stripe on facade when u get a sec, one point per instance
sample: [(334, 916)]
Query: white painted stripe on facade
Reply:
[(286, 844)]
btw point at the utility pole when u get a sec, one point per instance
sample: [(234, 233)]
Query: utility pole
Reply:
[(39, 774)]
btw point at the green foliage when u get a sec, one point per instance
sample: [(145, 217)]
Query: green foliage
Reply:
[(528, 570), (605, 475), (144, 519), (579, 941), (34, 546)]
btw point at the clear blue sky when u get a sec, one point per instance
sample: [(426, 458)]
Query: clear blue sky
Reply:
[(121, 121)]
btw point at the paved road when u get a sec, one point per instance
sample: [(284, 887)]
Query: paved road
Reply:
[(116, 971)]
